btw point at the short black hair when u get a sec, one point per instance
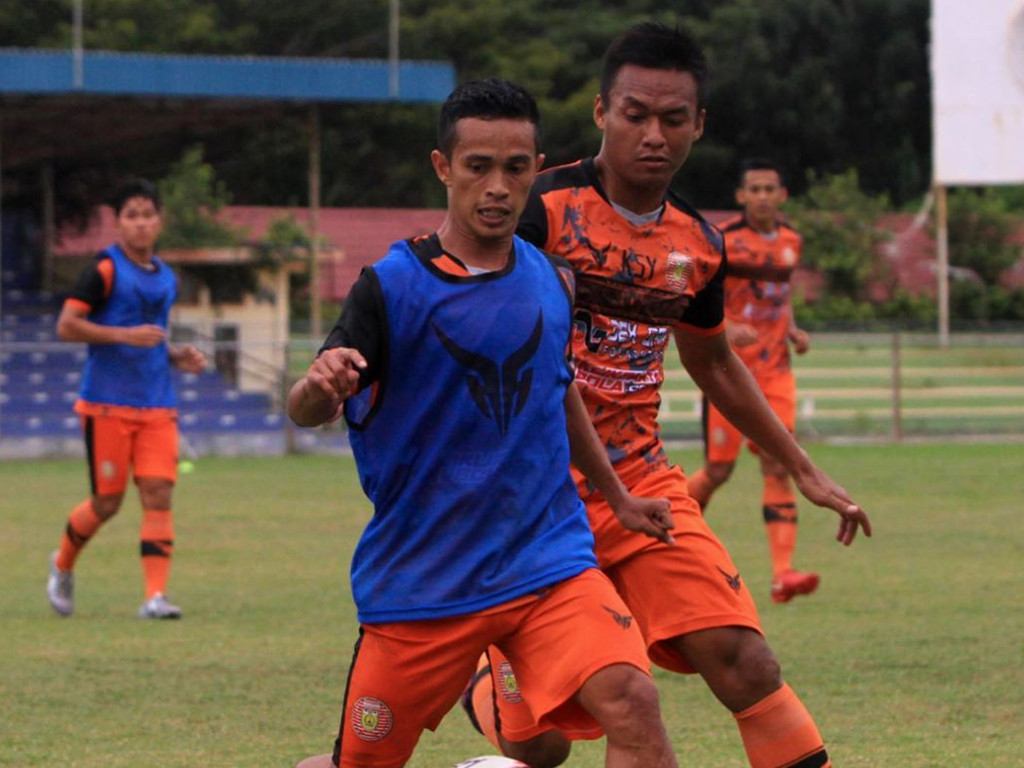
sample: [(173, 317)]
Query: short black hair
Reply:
[(655, 46), (760, 164), (135, 188), (491, 98)]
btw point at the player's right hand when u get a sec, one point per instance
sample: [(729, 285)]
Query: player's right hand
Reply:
[(740, 334), (144, 336), (334, 375)]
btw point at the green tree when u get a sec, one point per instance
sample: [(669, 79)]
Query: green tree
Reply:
[(980, 225), (839, 226), (191, 196)]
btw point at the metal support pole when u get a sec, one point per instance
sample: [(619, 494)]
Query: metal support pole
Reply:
[(49, 223), (897, 389), (77, 54), (942, 263), (393, 57), (315, 322)]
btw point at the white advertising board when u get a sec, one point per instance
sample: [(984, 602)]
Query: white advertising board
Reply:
[(977, 64)]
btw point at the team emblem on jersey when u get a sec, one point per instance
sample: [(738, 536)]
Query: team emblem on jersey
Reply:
[(499, 391), (679, 270), (508, 686), (788, 256), (371, 719)]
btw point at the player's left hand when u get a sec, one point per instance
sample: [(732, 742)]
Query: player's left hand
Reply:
[(822, 490), (801, 340), (651, 517), (188, 359)]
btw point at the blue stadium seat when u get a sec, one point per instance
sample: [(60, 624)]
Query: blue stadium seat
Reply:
[(38, 387)]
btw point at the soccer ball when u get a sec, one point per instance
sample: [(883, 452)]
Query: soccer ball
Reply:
[(491, 761)]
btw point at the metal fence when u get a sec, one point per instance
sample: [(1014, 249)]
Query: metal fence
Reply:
[(888, 385), (850, 386)]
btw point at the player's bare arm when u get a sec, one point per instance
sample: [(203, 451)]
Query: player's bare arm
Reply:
[(651, 517), (740, 334), (332, 378), (800, 339), (186, 358), (74, 325), (726, 381)]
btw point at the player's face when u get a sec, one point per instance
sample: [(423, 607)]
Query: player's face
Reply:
[(138, 225), (650, 122), (489, 175), (761, 195)]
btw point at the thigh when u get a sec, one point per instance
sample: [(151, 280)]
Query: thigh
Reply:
[(722, 441), (693, 585), (781, 395), (405, 676), (577, 629), (108, 446), (155, 452)]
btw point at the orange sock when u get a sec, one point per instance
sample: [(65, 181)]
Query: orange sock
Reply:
[(701, 487), (83, 522), (778, 732), (780, 521), (481, 706), (157, 546)]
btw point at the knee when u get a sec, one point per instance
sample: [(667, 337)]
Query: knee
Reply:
[(719, 472), (627, 702), (106, 507), (155, 493), (548, 750), (737, 664)]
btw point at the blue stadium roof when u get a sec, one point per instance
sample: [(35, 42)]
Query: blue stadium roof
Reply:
[(40, 72)]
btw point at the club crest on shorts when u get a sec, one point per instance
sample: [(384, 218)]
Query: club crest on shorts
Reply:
[(788, 256), (718, 436), (508, 686), (108, 470), (371, 719), (679, 270)]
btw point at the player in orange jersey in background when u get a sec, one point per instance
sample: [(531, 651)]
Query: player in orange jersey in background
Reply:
[(649, 267), (763, 250)]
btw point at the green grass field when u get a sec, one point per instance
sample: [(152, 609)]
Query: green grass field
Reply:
[(911, 654)]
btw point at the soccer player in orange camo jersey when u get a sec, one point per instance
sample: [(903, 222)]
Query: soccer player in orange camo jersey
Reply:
[(648, 265), (763, 252)]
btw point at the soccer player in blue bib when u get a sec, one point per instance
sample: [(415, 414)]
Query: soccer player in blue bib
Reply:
[(120, 307), (450, 364)]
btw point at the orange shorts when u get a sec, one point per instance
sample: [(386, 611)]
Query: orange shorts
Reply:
[(670, 590), (722, 440), (113, 443), (405, 676)]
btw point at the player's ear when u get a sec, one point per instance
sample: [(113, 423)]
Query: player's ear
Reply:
[(699, 128), (541, 157), (599, 111), (442, 166), (783, 195)]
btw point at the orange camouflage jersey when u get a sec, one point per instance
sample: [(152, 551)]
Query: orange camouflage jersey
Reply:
[(635, 281), (757, 291)]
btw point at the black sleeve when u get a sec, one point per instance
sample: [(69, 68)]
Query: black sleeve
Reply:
[(363, 326), (707, 310), (533, 224), (89, 287)]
